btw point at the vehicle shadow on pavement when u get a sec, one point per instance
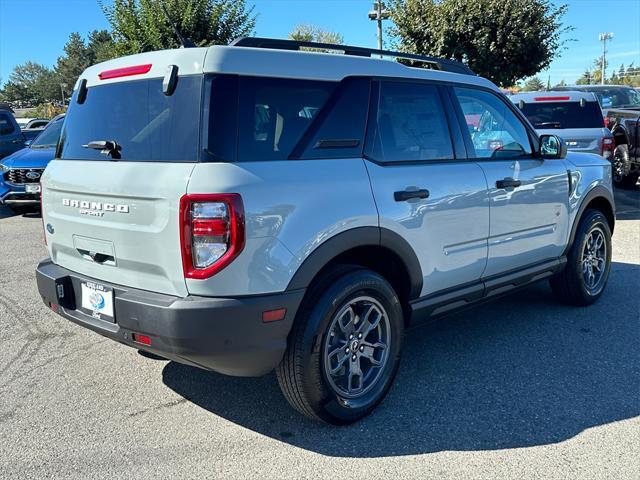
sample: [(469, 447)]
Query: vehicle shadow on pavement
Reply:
[(627, 203), (517, 372)]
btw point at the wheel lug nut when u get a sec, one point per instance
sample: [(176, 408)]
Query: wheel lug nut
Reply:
[(351, 337), (346, 350), (354, 358), (359, 335), (361, 348)]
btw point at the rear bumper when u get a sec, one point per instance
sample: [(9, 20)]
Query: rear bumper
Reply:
[(226, 335)]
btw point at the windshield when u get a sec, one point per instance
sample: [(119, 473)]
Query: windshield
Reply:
[(136, 116), (618, 97), (49, 136), (563, 115)]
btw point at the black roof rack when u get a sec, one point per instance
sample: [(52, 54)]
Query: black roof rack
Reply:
[(435, 63)]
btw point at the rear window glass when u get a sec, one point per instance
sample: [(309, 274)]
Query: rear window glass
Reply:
[(563, 114), (274, 114), (145, 123)]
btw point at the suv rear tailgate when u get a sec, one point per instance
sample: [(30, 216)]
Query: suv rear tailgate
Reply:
[(117, 221)]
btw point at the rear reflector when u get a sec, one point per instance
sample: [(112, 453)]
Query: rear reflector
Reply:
[(125, 71), (140, 338), (550, 99), (274, 315)]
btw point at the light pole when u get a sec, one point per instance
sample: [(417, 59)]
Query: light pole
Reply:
[(603, 37), (379, 13), (62, 87)]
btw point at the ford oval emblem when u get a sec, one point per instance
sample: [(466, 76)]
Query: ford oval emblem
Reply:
[(32, 175)]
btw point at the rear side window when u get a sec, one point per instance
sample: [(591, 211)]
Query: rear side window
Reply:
[(496, 132), (563, 114), (410, 124), (148, 125), (6, 125), (274, 114)]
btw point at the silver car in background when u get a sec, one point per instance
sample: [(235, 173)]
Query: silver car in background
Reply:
[(574, 116)]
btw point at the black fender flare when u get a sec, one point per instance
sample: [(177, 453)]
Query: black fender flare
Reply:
[(359, 237), (596, 192), (620, 134)]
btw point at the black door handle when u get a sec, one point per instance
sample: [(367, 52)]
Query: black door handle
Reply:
[(404, 195), (508, 183)]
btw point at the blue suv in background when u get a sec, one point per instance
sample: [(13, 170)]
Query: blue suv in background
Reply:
[(20, 172)]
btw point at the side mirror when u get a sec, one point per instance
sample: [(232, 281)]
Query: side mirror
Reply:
[(552, 146), (27, 143)]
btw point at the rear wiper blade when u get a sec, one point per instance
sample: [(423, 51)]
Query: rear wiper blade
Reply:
[(548, 124), (106, 147)]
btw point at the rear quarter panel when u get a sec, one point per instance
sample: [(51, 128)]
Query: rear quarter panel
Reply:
[(291, 207)]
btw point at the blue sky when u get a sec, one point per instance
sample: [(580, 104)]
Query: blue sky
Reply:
[(38, 29)]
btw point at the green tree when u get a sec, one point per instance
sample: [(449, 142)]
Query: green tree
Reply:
[(533, 85), (142, 26), (311, 33), (78, 55), (503, 40), (32, 83)]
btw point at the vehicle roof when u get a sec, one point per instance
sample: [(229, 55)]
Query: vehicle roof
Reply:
[(269, 62), (565, 96)]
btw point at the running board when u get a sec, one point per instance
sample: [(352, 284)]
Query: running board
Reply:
[(449, 300)]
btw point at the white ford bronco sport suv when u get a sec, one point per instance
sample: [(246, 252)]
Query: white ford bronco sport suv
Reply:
[(249, 207)]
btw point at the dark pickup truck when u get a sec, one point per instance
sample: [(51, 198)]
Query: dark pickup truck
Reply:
[(621, 109)]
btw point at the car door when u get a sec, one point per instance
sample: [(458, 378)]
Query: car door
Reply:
[(11, 138), (425, 189), (528, 195)]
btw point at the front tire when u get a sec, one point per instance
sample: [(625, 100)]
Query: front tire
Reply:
[(588, 263), (344, 349)]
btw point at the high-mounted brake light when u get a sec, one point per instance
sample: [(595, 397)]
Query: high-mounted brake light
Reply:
[(551, 99), (125, 71), (211, 232)]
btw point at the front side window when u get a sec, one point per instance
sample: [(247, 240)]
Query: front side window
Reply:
[(274, 114), (410, 124), (496, 132)]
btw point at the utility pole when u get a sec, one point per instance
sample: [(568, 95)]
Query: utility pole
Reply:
[(603, 37), (62, 87), (379, 13)]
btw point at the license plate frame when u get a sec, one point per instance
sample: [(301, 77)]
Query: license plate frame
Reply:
[(97, 300), (32, 188)]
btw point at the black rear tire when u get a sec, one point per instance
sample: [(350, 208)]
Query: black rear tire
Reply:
[(574, 284), (621, 164), (334, 319)]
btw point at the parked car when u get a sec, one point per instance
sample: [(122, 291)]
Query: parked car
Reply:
[(249, 207), (574, 116), (621, 108), (21, 171), (35, 123), (11, 137)]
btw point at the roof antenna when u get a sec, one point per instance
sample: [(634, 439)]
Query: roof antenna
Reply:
[(184, 42)]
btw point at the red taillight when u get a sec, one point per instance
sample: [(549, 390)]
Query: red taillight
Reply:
[(211, 232), (607, 146), (125, 71), (608, 122), (142, 339), (550, 99)]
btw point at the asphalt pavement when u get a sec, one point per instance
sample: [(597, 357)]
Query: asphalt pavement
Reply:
[(522, 387)]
